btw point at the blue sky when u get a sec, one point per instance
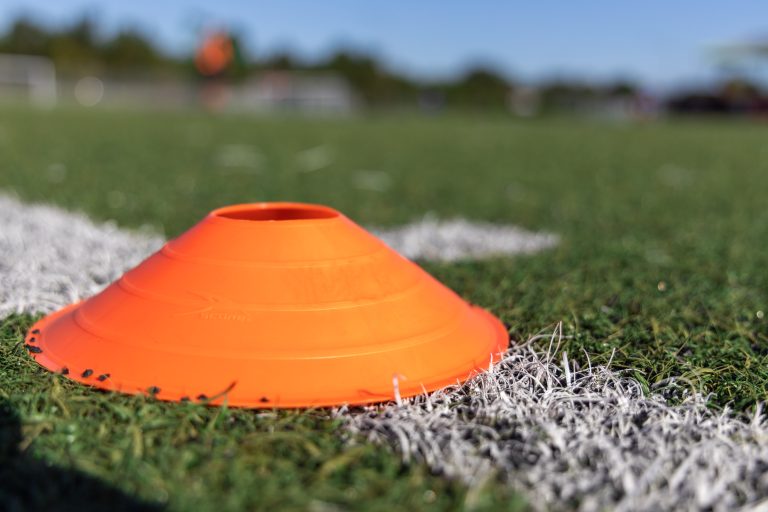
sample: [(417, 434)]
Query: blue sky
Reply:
[(658, 42)]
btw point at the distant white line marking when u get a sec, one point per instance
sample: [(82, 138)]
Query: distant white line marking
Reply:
[(458, 239)]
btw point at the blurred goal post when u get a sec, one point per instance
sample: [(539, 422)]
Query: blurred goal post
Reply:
[(36, 75)]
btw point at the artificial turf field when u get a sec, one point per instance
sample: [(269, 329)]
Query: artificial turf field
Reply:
[(662, 257)]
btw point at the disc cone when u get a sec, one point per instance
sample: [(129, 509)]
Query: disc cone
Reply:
[(271, 305)]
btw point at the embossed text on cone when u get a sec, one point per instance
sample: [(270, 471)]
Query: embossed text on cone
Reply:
[(271, 305)]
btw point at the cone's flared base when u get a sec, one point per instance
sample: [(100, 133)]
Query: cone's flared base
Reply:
[(271, 305)]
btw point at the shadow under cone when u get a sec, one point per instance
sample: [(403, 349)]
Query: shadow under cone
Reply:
[(271, 305)]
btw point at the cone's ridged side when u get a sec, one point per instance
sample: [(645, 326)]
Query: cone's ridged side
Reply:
[(275, 312)]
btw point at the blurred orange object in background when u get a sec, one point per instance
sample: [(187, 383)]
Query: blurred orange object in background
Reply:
[(215, 54)]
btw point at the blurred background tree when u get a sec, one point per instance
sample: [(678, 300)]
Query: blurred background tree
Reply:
[(81, 49)]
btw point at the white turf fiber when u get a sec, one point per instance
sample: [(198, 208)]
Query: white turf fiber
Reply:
[(50, 257), (567, 436), (579, 437)]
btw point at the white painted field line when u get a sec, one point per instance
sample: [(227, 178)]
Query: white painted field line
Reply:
[(50, 257), (458, 239), (583, 438)]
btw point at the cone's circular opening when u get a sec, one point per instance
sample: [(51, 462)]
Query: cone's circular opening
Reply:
[(277, 211)]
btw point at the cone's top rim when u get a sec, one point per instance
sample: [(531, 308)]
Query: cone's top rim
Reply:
[(275, 212)]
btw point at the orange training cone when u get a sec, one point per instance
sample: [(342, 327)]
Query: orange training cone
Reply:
[(271, 305)]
